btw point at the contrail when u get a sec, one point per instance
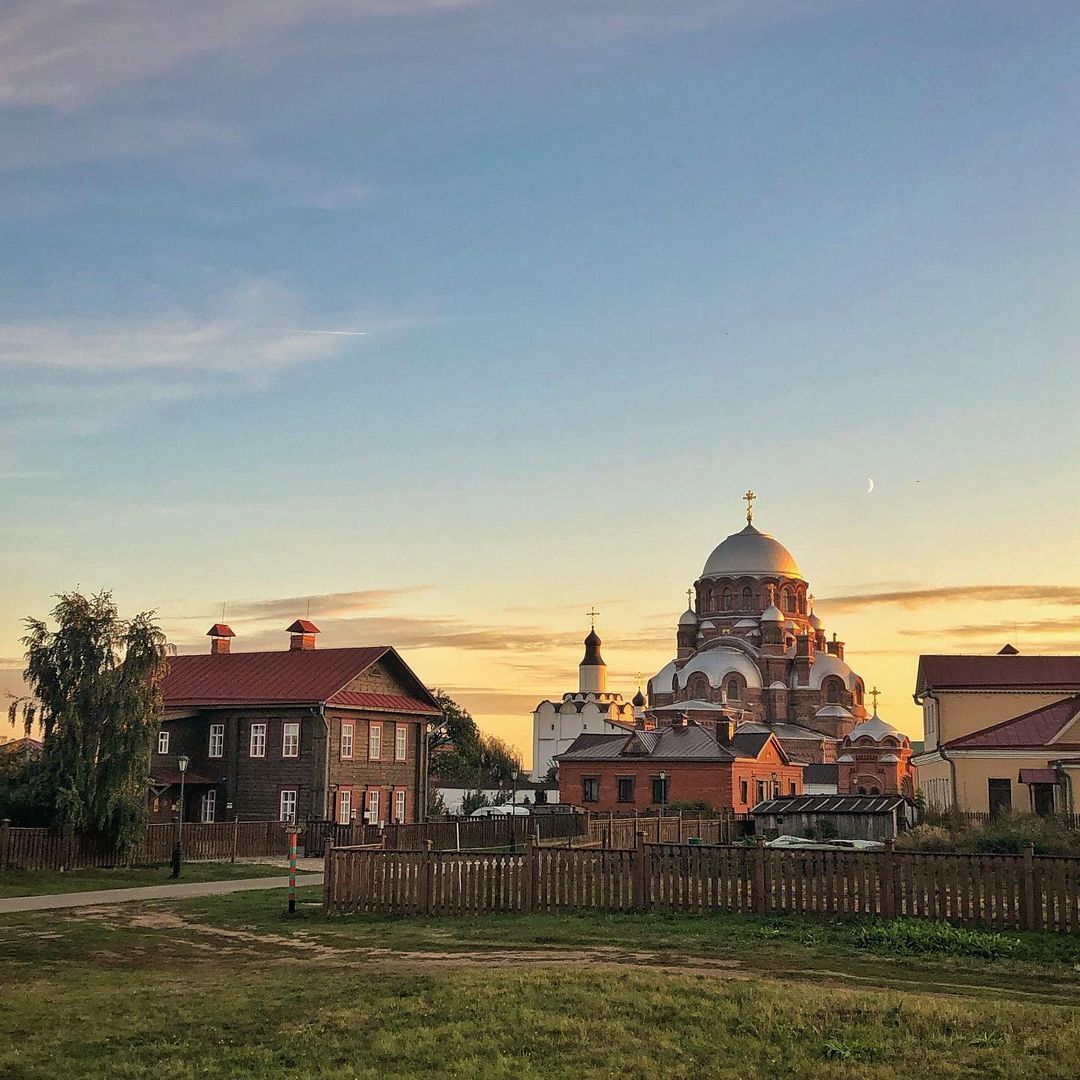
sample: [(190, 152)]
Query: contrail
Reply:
[(338, 333)]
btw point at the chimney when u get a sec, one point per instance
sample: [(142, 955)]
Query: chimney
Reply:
[(835, 648), (725, 730), (303, 633), (220, 637)]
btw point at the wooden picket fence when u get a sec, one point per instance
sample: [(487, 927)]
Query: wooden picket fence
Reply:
[(464, 833), (45, 849), (620, 832), (998, 891)]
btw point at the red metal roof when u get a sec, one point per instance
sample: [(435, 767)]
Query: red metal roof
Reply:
[(382, 702), (220, 629), (263, 678), (302, 626), (998, 672), (1030, 730), (1038, 776)]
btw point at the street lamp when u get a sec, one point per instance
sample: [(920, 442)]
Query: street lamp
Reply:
[(663, 792), (178, 852)]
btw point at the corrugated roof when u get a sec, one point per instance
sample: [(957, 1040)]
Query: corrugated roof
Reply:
[(943, 672), (1028, 730), (263, 678), (688, 742), (830, 804), (382, 702)]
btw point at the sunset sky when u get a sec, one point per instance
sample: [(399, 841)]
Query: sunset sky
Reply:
[(592, 269)]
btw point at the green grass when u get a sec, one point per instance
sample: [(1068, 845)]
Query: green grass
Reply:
[(45, 882), (230, 987)]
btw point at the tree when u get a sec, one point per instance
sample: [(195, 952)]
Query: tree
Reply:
[(473, 800), (95, 692)]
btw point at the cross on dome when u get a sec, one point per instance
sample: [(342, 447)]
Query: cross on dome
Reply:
[(875, 694), (749, 498), (592, 613), (690, 598)]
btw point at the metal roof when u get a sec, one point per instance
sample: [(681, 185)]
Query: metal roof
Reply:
[(831, 804), (1036, 728), (943, 672)]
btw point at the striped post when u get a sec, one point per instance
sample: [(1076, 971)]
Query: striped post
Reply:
[(292, 873)]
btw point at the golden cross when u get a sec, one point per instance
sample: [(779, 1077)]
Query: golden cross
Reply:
[(690, 598), (749, 497), (810, 597), (640, 680), (875, 694), (592, 613)]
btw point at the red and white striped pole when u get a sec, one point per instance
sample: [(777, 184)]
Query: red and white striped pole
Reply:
[(292, 873)]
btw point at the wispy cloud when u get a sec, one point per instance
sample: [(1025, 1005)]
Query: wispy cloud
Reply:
[(1037, 628), (916, 598), (336, 605)]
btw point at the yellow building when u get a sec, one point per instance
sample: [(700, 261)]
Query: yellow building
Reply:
[(1001, 732)]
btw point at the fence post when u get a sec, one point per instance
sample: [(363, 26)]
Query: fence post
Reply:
[(1027, 898), (235, 837), (457, 835), (641, 875), (760, 902), (429, 877), (888, 881), (528, 899), (5, 840), (328, 875)]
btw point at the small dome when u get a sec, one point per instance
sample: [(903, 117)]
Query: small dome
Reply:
[(592, 657), (876, 729), (688, 618), (833, 712), (639, 699), (772, 614), (814, 621), (751, 552)]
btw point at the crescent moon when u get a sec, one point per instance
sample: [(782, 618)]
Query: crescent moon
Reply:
[(870, 482)]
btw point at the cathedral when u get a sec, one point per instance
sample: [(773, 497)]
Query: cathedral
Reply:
[(749, 648)]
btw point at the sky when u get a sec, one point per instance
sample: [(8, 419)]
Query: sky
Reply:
[(453, 318)]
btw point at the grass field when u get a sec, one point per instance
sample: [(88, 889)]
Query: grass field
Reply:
[(42, 882), (229, 987)]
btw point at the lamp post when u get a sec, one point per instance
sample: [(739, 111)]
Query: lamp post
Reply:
[(178, 851)]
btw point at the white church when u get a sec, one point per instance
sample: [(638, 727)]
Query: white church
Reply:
[(591, 708)]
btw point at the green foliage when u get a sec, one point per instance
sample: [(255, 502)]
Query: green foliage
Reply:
[(919, 937), (436, 804), (847, 1050), (1010, 834), (461, 756), (474, 800), (94, 682)]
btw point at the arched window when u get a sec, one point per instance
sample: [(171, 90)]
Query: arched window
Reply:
[(802, 603), (833, 689), (725, 600), (858, 693), (734, 691), (698, 686), (787, 602), (747, 599)]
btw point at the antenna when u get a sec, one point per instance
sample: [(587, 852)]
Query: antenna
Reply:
[(309, 607)]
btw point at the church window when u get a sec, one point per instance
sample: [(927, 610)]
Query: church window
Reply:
[(725, 600), (802, 603), (747, 599), (733, 691), (832, 691), (787, 602)]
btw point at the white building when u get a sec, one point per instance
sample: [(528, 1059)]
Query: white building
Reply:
[(592, 708)]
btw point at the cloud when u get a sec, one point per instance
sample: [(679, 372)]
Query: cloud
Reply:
[(999, 631), (336, 605), (916, 598)]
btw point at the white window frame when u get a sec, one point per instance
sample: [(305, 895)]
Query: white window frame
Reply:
[(374, 742), (283, 801), (399, 806), (344, 815), (216, 743), (162, 742), (208, 807), (372, 806), (401, 742), (346, 742), (257, 740), (290, 739)]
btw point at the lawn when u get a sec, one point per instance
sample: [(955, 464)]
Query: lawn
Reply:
[(229, 987), (43, 882)]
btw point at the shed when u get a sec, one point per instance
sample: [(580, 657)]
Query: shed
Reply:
[(848, 817)]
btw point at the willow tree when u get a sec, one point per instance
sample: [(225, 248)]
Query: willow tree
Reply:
[(94, 682)]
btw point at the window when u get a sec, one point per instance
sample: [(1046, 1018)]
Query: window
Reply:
[(832, 691), (787, 602), (660, 789), (208, 807), (725, 600), (373, 806), (999, 796), (791, 788), (257, 747), (399, 806), (346, 740), (217, 740), (626, 789), (747, 599), (760, 785), (162, 742), (344, 806), (290, 740), (288, 801), (374, 742), (733, 691), (590, 789), (401, 741), (744, 791)]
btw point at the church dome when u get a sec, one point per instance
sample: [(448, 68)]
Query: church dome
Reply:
[(751, 552), (876, 729), (688, 618)]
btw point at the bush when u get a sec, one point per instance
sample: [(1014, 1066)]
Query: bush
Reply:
[(1009, 835), (911, 937), (927, 838)]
